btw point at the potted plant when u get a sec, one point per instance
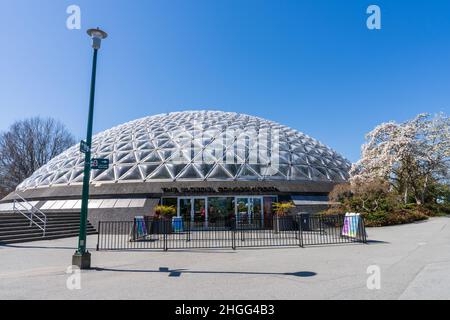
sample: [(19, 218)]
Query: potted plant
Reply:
[(162, 221), (281, 209)]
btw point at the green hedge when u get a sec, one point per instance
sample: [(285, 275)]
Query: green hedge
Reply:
[(379, 219), (406, 214)]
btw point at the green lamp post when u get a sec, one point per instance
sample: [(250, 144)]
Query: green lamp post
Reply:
[(82, 258)]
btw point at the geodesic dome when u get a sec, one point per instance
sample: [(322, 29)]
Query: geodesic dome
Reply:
[(196, 146)]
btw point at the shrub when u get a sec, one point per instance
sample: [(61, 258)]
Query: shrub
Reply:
[(382, 218), (282, 208), (406, 214), (164, 211), (438, 209)]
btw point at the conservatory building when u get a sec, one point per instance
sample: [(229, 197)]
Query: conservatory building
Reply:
[(207, 164)]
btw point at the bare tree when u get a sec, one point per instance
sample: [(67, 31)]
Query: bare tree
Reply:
[(28, 145)]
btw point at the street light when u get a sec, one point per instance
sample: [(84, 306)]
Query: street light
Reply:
[(81, 257)]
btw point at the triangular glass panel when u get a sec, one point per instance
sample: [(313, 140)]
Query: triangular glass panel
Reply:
[(300, 173), (132, 174), (125, 146), (203, 168), (77, 175), (145, 145), (69, 163), (175, 169), (335, 175), (148, 169), (61, 178), (129, 158), (180, 156), (107, 175), (106, 148), (190, 173), (273, 173), (121, 170), (233, 169), (205, 156), (166, 153), (219, 173), (247, 173), (153, 158), (318, 175), (299, 159), (169, 145), (162, 173), (141, 155), (159, 143)]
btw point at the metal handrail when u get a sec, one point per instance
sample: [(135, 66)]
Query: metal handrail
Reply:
[(32, 212)]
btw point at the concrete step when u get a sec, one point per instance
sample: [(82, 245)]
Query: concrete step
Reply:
[(34, 234), (40, 238), (22, 226), (36, 230), (15, 228), (56, 216), (23, 219)]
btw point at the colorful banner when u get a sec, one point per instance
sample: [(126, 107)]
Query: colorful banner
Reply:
[(351, 225), (141, 229)]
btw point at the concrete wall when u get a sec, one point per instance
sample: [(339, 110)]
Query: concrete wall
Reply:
[(310, 208), (122, 214)]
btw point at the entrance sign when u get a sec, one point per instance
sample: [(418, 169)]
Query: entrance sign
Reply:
[(99, 164), (352, 225)]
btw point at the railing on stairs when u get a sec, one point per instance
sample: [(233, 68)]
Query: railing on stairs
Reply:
[(29, 211)]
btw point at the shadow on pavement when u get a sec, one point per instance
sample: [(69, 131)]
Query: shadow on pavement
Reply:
[(377, 242), (179, 272), (38, 247)]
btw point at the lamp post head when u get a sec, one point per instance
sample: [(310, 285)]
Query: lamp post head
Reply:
[(97, 36)]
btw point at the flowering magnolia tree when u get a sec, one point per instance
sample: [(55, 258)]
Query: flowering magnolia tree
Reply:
[(410, 156)]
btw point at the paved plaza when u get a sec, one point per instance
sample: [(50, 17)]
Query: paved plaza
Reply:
[(413, 260)]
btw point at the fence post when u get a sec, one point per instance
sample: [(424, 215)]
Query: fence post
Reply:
[(363, 227), (165, 231), (300, 230), (189, 230), (233, 232), (98, 234)]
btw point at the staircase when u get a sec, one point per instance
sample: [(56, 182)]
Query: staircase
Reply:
[(15, 228)]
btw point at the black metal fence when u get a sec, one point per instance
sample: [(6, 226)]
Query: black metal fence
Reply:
[(299, 230)]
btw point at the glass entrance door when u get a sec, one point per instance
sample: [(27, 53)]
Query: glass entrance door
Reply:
[(242, 210), (256, 211), (249, 211), (199, 210), (193, 209), (185, 209)]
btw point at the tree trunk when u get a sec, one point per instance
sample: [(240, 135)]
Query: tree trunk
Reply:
[(405, 197), (424, 190)]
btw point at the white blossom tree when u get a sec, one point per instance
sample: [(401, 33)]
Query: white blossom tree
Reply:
[(409, 155)]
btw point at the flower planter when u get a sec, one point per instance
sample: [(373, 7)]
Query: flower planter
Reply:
[(161, 226)]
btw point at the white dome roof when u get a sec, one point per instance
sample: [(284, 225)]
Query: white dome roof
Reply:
[(197, 145)]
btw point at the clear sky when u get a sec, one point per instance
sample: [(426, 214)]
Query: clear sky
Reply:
[(312, 65)]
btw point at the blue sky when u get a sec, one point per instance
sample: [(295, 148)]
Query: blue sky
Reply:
[(311, 65)]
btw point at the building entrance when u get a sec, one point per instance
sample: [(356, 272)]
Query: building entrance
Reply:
[(193, 209)]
